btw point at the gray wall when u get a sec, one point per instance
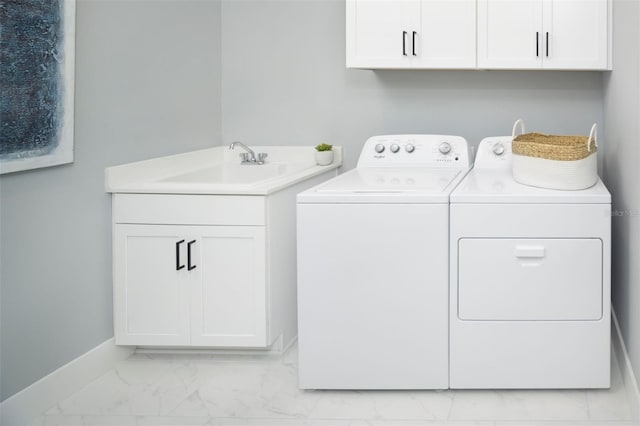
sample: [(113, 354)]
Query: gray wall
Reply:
[(621, 171), (284, 81), (147, 84)]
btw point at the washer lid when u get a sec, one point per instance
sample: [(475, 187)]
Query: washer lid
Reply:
[(498, 186), (386, 185)]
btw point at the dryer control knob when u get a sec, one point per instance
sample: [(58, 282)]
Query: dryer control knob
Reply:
[(498, 149), (444, 148), (394, 148), (409, 148), (379, 148)]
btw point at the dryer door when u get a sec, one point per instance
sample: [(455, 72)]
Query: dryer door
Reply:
[(530, 279)]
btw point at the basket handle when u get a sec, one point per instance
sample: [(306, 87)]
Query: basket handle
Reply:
[(519, 121), (592, 137)]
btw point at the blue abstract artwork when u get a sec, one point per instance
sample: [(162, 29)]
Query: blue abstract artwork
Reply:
[(37, 40)]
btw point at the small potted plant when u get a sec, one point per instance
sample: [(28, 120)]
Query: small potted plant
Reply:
[(324, 154)]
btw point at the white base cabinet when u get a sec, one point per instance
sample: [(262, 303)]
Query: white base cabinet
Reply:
[(151, 305), (190, 285), (211, 271), (228, 307)]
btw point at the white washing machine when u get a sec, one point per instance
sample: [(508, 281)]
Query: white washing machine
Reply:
[(530, 280), (373, 267)]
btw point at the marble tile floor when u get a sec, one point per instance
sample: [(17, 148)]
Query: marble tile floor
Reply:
[(262, 390)]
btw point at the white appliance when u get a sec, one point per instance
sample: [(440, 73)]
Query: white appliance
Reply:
[(373, 267), (530, 280)]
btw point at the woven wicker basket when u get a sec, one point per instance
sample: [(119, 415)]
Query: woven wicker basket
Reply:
[(554, 161)]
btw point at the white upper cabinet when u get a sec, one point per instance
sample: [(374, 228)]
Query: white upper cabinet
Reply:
[(379, 33), (509, 34), (485, 34), (577, 32), (448, 36), (411, 33), (543, 34)]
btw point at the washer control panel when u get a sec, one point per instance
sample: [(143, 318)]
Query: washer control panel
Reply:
[(494, 153), (415, 151)]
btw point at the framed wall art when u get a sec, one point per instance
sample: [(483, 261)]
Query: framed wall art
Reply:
[(37, 58)]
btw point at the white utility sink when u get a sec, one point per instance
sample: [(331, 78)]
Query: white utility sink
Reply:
[(236, 174), (218, 171)]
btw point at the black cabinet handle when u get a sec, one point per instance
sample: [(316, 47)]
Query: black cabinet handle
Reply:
[(537, 44), (178, 266), (404, 43), (547, 44), (189, 265), (414, 43)]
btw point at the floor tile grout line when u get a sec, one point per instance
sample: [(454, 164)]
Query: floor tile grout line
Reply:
[(453, 400), (586, 401)]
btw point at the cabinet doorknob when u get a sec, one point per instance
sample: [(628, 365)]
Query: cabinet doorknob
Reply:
[(190, 266), (537, 44), (178, 266), (404, 43), (414, 43)]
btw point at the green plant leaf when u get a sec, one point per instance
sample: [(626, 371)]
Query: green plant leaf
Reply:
[(324, 147)]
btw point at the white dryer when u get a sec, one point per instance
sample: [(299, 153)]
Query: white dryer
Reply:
[(373, 267), (530, 280)]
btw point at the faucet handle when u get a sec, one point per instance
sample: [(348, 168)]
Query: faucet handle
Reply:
[(262, 156), (244, 157)]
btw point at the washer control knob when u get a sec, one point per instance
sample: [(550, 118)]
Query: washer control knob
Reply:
[(394, 148), (498, 149), (379, 148), (409, 148), (444, 148)]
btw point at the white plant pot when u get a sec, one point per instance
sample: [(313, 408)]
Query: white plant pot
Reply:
[(324, 158)]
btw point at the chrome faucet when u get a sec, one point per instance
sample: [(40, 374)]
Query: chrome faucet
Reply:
[(249, 157)]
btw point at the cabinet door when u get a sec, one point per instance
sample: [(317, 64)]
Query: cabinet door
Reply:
[(448, 34), (510, 34), (151, 304), (575, 34), (380, 32), (228, 304)]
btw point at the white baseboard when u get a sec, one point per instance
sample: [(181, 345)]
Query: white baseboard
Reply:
[(626, 369), (290, 344), (31, 402)]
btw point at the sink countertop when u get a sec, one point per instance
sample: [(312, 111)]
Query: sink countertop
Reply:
[(154, 175)]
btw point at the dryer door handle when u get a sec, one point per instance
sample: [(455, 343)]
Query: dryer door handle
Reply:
[(529, 252)]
